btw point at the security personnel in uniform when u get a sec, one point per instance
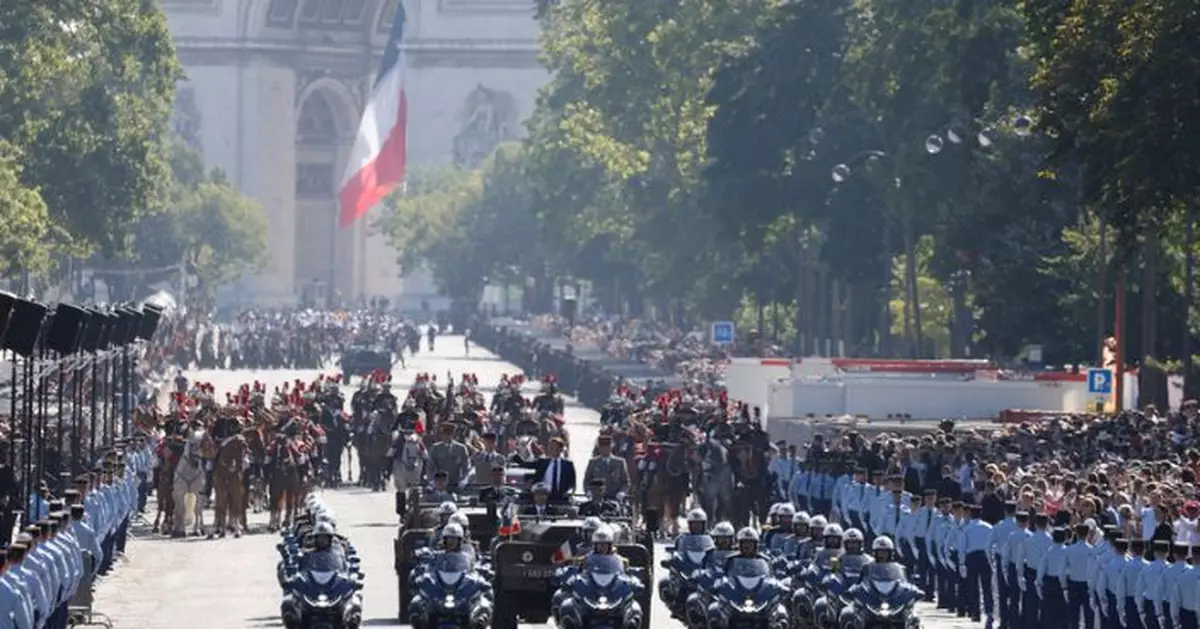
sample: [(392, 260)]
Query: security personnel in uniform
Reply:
[(1014, 570), (485, 460), (440, 492), (973, 556), (1052, 580), (1149, 595), (498, 490), (32, 585), (15, 605), (1108, 582), (451, 457), (1035, 546), (609, 468), (597, 505), (1175, 578), (997, 554), (1130, 615), (1079, 559)]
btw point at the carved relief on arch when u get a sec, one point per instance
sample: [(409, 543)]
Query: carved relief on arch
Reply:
[(488, 118)]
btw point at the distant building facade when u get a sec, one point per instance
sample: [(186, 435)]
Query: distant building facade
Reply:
[(273, 96)]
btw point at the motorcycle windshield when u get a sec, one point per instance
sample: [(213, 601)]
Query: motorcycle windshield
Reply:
[(603, 569), (747, 572), (324, 561), (450, 567), (884, 578), (694, 547)]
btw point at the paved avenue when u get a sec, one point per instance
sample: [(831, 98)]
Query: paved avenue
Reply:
[(230, 583)]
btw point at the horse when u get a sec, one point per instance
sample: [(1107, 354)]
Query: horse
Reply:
[(164, 486), (663, 481), (189, 481), (286, 487), (372, 445), (229, 469), (712, 479), (408, 462)]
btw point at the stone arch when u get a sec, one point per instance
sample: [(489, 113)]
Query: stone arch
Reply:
[(339, 15), (341, 102)]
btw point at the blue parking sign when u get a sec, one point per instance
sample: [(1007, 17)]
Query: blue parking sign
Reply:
[(722, 332), (1100, 381)]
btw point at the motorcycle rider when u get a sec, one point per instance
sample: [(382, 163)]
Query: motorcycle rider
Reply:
[(722, 535), (697, 524), (603, 543), (775, 538), (454, 539), (823, 563), (747, 546), (323, 552), (801, 544), (444, 511), (847, 571), (883, 568), (582, 545)]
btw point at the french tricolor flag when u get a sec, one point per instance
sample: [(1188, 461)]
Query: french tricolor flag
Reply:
[(376, 164)]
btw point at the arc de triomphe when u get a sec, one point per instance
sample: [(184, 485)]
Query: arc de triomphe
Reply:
[(273, 96)]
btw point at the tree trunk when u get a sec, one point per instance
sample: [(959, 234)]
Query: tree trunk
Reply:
[(1152, 381)]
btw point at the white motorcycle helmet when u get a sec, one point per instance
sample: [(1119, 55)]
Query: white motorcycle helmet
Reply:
[(833, 536), (747, 540), (602, 540), (461, 519), (801, 525), (787, 511), (853, 541), (818, 523), (722, 535), (883, 549), (773, 513), (452, 537), (697, 521), (445, 510)]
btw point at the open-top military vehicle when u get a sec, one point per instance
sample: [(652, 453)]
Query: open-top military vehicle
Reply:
[(525, 566), (417, 522)]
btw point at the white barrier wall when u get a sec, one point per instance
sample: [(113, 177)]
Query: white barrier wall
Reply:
[(787, 389)]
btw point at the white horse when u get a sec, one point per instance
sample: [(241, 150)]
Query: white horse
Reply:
[(188, 485), (408, 460)]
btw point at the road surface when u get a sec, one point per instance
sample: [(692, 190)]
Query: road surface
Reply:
[(227, 584)]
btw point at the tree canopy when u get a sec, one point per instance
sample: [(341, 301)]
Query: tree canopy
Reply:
[(88, 165), (957, 178)]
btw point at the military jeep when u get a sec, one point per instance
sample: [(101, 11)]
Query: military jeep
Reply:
[(414, 533), (525, 566)]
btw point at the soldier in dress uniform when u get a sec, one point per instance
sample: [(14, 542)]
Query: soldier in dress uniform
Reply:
[(440, 491), (498, 490), (484, 460), (451, 457), (609, 468), (598, 504)]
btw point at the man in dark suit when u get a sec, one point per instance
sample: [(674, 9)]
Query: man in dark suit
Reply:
[(556, 471)]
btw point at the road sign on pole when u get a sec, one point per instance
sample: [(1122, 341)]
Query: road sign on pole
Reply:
[(722, 332), (1100, 381)]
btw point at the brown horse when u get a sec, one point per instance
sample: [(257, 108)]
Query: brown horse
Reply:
[(664, 481), (286, 488), (164, 491), (254, 493), (229, 468)]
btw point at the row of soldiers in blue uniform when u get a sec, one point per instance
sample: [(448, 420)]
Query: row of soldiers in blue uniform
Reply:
[(53, 562), (1020, 572)]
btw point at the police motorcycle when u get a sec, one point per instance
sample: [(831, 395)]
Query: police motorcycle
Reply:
[(807, 586), (683, 561), (322, 588), (747, 595), (847, 571), (799, 548), (582, 546), (602, 593), (450, 593), (883, 598), (704, 581)]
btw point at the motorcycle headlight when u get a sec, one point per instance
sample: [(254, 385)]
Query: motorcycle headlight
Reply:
[(450, 601), (321, 601), (603, 603)]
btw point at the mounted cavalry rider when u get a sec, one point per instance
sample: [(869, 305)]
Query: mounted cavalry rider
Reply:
[(549, 401)]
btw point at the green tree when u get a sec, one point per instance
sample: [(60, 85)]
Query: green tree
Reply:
[(84, 92), (25, 218)]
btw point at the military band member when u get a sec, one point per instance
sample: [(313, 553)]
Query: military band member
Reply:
[(451, 457), (609, 468)]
